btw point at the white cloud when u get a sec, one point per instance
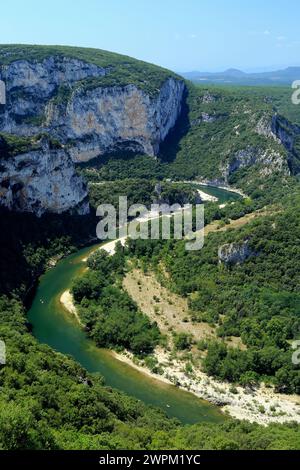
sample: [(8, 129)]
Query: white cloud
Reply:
[(294, 44), (266, 32)]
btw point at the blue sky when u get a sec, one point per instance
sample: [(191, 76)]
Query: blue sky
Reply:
[(206, 35)]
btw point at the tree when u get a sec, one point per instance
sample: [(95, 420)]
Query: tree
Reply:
[(216, 352), (249, 379), (19, 430), (182, 341)]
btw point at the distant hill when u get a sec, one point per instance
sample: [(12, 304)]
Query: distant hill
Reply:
[(238, 77)]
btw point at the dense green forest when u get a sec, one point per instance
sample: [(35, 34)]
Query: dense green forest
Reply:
[(49, 402), (110, 316), (142, 191)]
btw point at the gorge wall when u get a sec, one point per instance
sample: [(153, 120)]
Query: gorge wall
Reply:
[(72, 102)]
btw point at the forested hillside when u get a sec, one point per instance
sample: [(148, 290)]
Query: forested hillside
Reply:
[(253, 298), (48, 400)]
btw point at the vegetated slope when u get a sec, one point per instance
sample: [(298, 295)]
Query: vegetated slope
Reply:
[(142, 192), (281, 99), (245, 283), (231, 135), (28, 243), (225, 135)]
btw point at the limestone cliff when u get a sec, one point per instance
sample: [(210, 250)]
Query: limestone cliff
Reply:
[(76, 102), (59, 96), (42, 180), (101, 119)]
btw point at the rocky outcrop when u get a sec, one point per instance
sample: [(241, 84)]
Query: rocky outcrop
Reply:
[(45, 76), (269, 159), (279, 129), (280, 155), (42, 180), (235, 253), (283, 132), (287, 134), (31, 85), (208, 118), (208, 98), (65, 98), (265, 127), (103, 119)]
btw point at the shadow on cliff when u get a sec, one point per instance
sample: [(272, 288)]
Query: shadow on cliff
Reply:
[(27, 242), (172, 144)]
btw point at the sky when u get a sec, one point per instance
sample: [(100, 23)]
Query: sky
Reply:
[(183, 35)]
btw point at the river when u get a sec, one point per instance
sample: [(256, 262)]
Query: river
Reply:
[(54, 326)]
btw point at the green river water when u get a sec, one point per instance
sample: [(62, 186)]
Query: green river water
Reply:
[(54, 326)]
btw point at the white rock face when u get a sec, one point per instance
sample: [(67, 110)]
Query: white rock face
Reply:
[(269, 159), (96, 120), (50, 97), (265, 127), (235, 253), (40, 181), (43, 77), (30, 86), (105, 118)]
